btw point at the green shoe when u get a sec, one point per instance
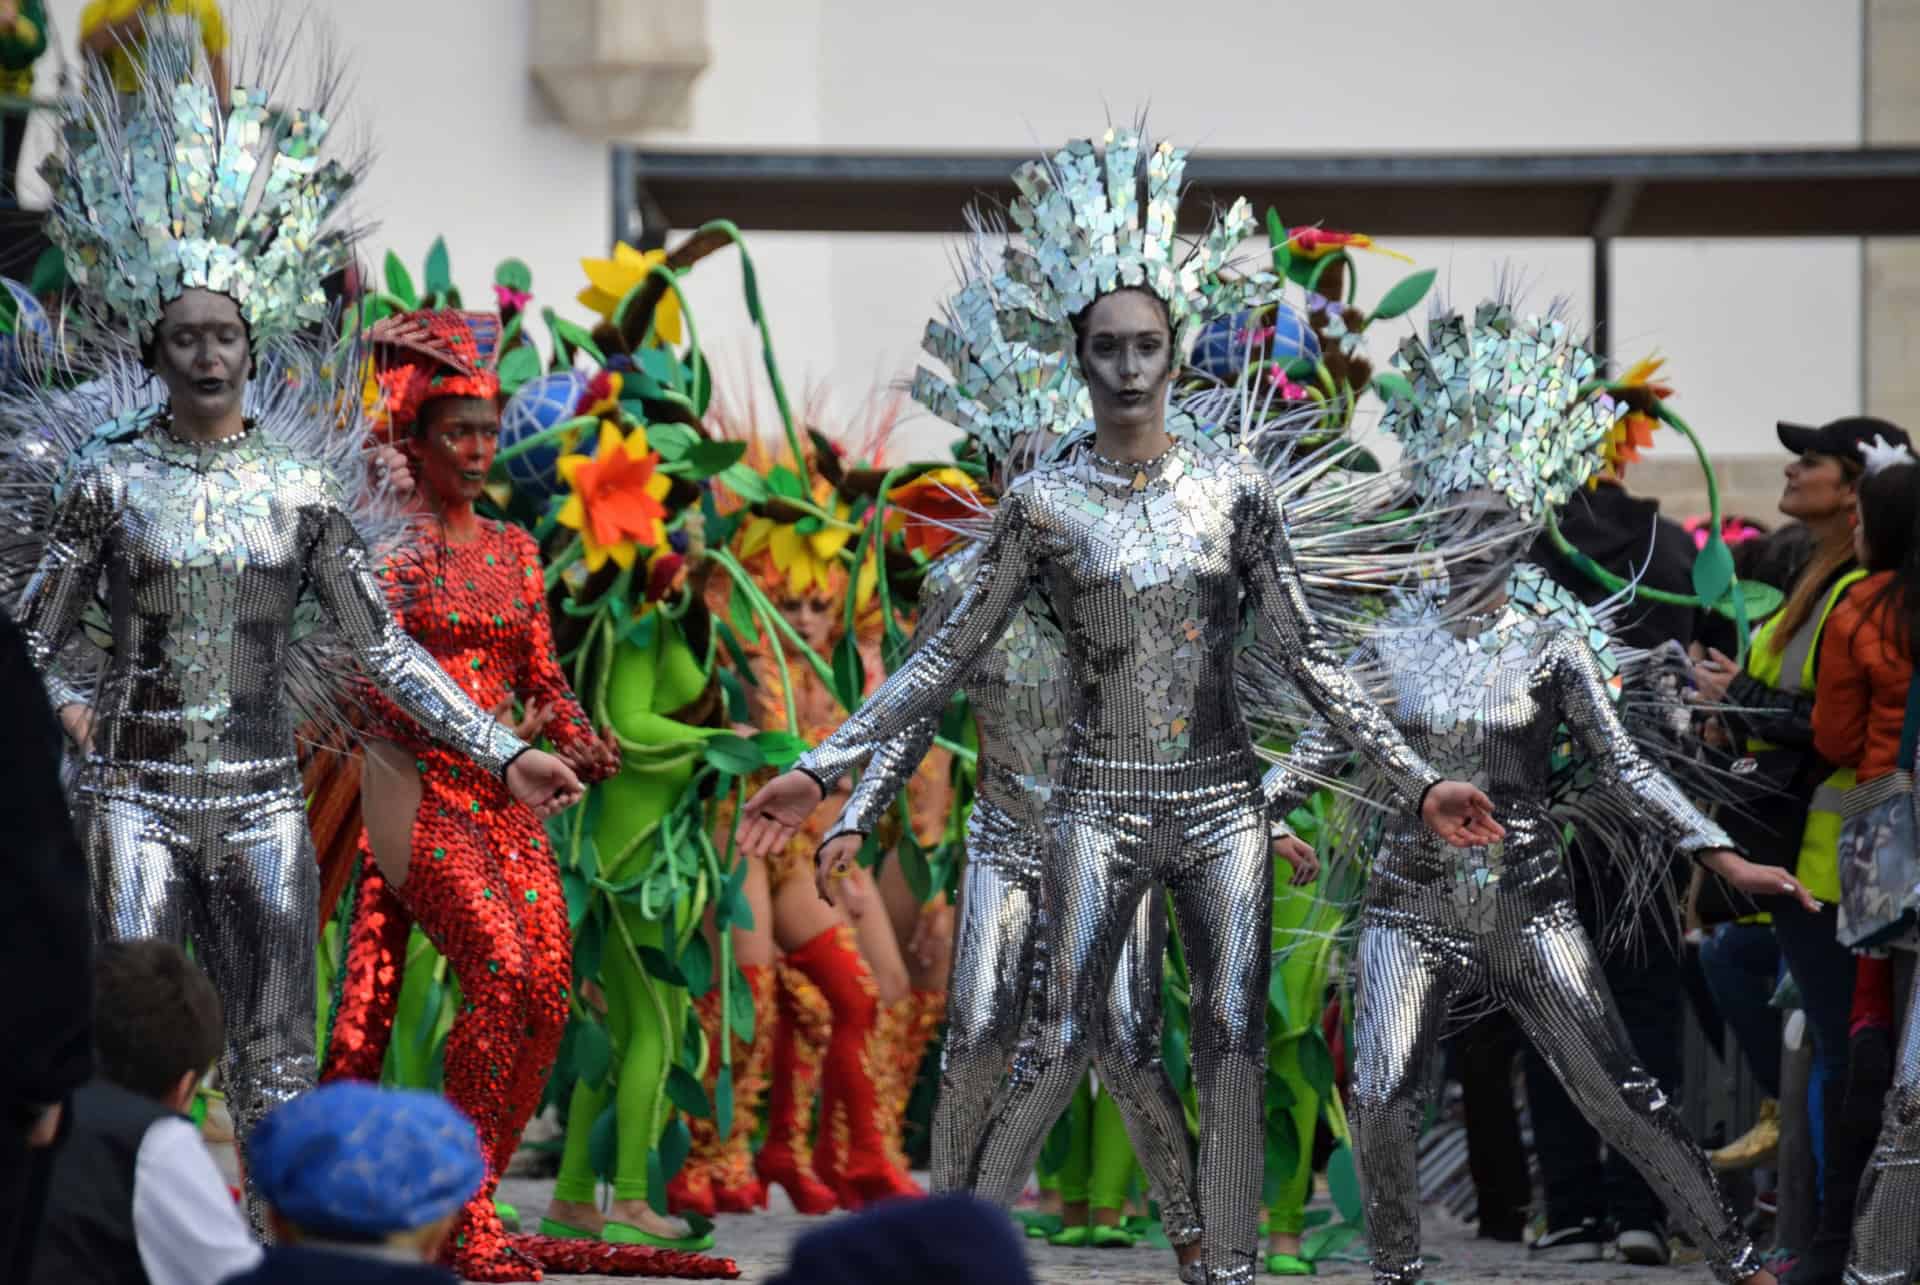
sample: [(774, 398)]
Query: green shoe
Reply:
[(564, 1231), (1039, 1226), (507, 1214), (1288, 1265), (1071, 1237), (1113, 1237), (628, 1234)]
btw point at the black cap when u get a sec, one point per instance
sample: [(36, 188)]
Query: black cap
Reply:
[(1841, 437)]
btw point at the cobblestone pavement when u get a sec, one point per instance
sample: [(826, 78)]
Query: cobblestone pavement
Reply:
[(759, 1244)]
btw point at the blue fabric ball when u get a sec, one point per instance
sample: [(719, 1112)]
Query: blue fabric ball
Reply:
[(539, 404)]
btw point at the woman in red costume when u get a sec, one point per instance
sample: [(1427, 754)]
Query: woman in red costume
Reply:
[(444, 845), (853, 1019)]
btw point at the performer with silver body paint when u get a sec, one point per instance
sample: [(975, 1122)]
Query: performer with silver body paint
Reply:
[(1017, 404), (1148, 553), (210, 528), (1487, 698)]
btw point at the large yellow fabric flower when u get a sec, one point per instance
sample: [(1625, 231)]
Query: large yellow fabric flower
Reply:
[(610, 280), (808, 561), (618, 501)]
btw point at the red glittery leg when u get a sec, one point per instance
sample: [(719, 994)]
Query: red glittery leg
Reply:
[(533, 889), (458, 891), (375, 965)]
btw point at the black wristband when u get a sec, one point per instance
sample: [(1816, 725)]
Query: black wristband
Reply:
[(507, 766), (818, 783)]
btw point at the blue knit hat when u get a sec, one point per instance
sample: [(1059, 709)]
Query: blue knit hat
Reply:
[(358, 1162)]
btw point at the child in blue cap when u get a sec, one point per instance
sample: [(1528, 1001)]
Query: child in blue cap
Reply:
[(363, 1184)]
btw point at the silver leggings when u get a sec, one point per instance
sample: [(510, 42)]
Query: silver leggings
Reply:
[(225, 859), (994, 976), (1208, 845), (1886, 1220), (1542, 969)]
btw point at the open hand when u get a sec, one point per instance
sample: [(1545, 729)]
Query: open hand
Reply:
[(776, 810), (543, 783), (1461, 814), (836, 861), (1756, 880), (1297, 853)]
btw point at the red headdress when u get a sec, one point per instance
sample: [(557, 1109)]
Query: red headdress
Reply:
[(419, 356)]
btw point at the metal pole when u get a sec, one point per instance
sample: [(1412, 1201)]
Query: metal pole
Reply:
[(1603, 298)]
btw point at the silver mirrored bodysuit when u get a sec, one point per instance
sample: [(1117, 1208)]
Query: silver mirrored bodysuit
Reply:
[(1149, 568), (190, 804), (1440, 923), (1020, 699)]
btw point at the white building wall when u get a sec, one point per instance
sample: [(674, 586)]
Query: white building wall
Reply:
[(1752, 330)]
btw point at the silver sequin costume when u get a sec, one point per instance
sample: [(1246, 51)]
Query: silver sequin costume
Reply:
[(1886, 1221), (190, 805), (1020, 698), (1148, 566), (1440, 924)]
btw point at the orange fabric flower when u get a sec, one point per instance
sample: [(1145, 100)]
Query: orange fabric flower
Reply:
[(930, 506), (619, 497)]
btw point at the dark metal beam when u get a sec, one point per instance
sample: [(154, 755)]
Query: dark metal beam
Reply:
[(1855, 192)]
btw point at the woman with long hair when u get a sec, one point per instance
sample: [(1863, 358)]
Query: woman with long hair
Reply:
[(1859, 717), (1793, 820)]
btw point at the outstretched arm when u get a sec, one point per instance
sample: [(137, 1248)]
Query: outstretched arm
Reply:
[(1315, 759), (916, 691), (336, 565)]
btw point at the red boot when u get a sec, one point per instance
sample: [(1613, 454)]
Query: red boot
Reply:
[(851, 1073), (480, 1248), (376, 964), (799, 1039)]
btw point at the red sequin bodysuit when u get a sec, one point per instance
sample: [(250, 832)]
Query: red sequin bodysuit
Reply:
[(481, 881)]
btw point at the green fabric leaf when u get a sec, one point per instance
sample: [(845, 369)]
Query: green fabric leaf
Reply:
[(738, 711), (1407, 293), (672, 441), (589, 946), (400, 282), (655, 961), (781, 748), (49, 273), (740, 1009), (576, 336), (687, 1093), (705, 459), (603, 1144), (740, 613), (913, 864), (745, 483), (1282, 1159), (593, 1053), (784, 481), (1316, 1062), (696, 965), (1713, 570), (1282, 1019), (517, 367), (1343, 1183), (723, 1101), (1277, 238), (439, 271), (1392, 386), (734, 754), (1325, 1242), (514, 275), (849, 673)]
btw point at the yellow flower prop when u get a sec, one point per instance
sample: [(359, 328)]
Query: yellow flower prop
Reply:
[(810, 561), (1633, 432), (611, 280), (619, 497)]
